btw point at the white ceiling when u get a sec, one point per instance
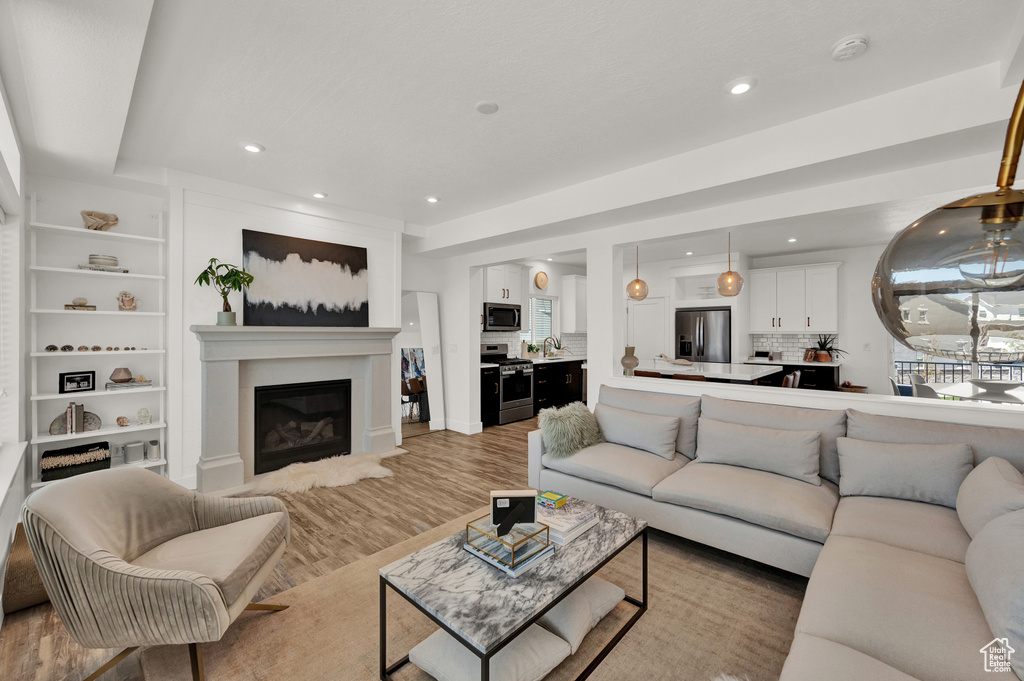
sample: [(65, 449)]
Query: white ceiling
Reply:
[(372, 102), (818, 232)]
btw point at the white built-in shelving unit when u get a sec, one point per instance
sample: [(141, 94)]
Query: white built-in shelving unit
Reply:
[(55, 251)]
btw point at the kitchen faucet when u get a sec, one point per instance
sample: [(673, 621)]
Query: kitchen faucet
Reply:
[(545, 352)]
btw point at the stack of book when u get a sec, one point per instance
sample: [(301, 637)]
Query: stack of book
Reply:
[(568, 521), (129, 385), (74, 418), (521, 568)]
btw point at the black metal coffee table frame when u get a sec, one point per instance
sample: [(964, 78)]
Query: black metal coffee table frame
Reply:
[(485, 658)]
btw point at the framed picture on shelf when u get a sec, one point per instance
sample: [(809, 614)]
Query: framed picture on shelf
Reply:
[(77, 381), (809, 354)]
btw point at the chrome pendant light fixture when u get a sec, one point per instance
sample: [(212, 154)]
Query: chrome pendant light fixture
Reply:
[(730, 283), (637, 289), (952, 283)]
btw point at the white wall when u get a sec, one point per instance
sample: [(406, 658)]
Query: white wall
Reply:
[(421, 274), (861, 334), (211, 226)]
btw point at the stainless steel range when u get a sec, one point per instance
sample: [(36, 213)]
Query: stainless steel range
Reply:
[(515, 382)]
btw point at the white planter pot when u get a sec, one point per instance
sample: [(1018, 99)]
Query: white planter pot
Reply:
[(225, 319)]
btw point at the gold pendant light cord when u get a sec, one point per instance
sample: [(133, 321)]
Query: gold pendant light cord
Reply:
[(730, 251), (638, 261), (1011, 149)]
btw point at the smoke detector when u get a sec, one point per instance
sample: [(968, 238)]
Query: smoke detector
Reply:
[(850, 47)]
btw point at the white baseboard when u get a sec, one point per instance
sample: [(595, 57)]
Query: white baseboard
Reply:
[(466, 427), (188, 481)]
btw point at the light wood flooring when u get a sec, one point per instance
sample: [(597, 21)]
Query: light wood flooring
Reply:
[(443, 475)]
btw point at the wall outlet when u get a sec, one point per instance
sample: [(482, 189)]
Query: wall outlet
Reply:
[(867, 347), (435, 349), (452, 348)]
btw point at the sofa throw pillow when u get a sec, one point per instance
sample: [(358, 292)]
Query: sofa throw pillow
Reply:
[(928, 473), (831, 423), (567, 430), (993, 569), (686, 408), (792, 453), (992, 489), (651, 433)]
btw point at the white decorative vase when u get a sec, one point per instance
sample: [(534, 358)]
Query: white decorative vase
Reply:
[(225, 319)]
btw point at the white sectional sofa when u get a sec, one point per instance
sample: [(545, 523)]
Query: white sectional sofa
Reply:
[(896, 588)]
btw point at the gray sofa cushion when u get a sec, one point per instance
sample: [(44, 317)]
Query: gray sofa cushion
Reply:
[(764, 499), (913, 525), (1007, 443), (813, 659), (687, 409), (649, 432), (992, 489), (830, 423), (793, 453), (928, 473), (631, 469), (994, 563), (913, 612)]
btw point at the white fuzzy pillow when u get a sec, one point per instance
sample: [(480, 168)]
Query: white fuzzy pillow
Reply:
[(567, 430)]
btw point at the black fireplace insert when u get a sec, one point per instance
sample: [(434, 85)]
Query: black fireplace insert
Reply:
[(302, 422)]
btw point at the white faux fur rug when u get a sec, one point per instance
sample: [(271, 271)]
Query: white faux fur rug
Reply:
[(336, 471)]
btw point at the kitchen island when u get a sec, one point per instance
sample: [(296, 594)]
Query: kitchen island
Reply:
[(712, 371)]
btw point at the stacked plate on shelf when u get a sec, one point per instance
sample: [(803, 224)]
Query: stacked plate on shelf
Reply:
[(102, 260)]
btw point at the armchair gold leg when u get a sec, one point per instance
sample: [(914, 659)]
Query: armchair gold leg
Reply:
[(197, 662), (110, 664), (265, 606)]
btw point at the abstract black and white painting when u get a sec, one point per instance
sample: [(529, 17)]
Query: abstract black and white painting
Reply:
[(300, 282)]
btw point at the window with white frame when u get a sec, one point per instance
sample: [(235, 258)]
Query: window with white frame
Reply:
[(539, 317)]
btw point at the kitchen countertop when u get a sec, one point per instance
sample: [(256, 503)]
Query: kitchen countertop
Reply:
[(793, 363), (726, 372), (552, 360)]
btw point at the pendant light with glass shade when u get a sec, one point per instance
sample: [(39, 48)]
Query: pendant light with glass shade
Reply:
[(637, 289), (730, 283), (952, 283)]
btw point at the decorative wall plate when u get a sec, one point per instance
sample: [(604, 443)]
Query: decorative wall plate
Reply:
[(541, 280)]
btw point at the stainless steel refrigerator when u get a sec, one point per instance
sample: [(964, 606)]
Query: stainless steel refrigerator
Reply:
[(704, 335)]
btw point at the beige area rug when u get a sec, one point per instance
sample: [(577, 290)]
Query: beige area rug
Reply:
[(337, 471), (710, 613)]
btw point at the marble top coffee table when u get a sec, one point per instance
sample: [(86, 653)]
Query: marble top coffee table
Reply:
[(484, 609)]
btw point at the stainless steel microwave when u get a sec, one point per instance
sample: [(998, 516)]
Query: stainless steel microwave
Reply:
[(502, 317)]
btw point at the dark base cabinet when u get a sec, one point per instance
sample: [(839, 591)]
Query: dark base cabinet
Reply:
[(811, 378), (490, 399), (556, 384)]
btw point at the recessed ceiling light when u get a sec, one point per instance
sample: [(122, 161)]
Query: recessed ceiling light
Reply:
[(550, 259), (486, 108), (254, 148), (689, 253), (741, 85), (792, 240), (319, 195), (431, 199)]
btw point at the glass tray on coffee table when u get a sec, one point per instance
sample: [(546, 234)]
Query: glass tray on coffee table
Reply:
[(525, 540), (484, 609)]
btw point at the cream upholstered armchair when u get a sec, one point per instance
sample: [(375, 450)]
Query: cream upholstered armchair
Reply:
[(131, 559)]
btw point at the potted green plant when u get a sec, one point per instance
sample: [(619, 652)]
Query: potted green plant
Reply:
[(827, 352), (558, 347), (532, 350), (225, 278)]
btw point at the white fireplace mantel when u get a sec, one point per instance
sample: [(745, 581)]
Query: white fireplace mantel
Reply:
[(223, 347)]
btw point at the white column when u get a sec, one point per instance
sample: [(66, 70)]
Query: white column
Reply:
[(378, 433), (220, 464), (606, 312)]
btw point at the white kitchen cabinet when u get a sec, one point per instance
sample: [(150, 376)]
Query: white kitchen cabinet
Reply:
[(822, 299), (504, 284), (790, 304), (795, 299), (761, 284), (573, 304)]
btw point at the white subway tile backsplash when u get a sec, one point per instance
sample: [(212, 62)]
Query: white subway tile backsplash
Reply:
[(791, 345)]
